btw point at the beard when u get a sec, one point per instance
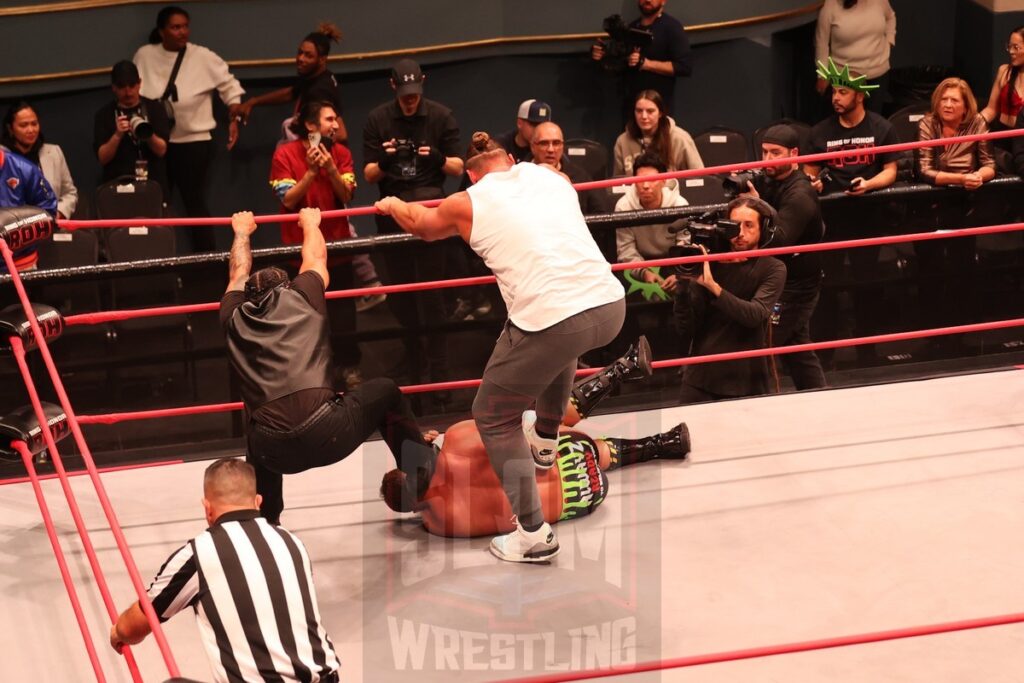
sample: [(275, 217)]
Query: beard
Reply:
[(649, 10)]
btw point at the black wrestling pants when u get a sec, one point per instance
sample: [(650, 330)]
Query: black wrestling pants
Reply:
[(334, 430)]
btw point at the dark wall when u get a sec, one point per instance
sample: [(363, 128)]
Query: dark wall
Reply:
[(979, 47)]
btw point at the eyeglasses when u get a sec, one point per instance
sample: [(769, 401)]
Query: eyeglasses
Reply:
[(1013, 49), (550, 143)]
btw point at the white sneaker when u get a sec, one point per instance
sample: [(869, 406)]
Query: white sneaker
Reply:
[(526, 546), (545, 451)]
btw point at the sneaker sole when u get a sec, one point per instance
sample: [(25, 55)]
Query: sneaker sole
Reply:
[(543, 556), (541, 464)]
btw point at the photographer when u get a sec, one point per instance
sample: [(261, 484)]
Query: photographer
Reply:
[(131, 128), (726, 305), (653, 50), (789, 191), (410, 144)]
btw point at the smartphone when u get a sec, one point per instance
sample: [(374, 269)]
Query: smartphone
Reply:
[(314, 140)]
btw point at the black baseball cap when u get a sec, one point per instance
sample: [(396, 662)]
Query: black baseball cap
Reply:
[(781, 134), (407, 77), (124, 73)]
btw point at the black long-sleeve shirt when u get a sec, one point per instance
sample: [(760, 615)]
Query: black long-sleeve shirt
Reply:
[(737, 320), (799, 222)]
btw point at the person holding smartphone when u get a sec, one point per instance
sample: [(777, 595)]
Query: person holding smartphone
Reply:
[(315, 171)]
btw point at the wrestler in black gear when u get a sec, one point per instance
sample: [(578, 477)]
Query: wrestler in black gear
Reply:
[(278, 343)]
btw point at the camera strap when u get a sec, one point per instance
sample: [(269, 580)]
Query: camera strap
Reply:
[(171, 91)]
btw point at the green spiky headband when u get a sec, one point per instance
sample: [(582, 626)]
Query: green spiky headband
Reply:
[(843, 79)]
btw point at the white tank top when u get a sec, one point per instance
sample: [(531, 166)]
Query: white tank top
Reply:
[(529, 230)]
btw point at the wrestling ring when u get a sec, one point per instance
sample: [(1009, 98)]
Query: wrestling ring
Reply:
[(869, 533)]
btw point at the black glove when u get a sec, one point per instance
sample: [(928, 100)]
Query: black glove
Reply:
[(387, 159), (435, 158)]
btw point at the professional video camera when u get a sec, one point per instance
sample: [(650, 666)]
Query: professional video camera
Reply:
[(140, 126), (735, 184), (621, 42), (708, 230)]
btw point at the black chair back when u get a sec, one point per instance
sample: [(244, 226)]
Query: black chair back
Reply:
[(590, 155), (719, 146), (906, 123), (702, 191), (129, 198)]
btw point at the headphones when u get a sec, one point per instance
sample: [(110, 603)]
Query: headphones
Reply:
[(769, 217)]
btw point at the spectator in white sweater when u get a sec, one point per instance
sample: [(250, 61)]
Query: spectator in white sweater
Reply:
[(202, 72), (646, 242), (23, 134), (860, 34)]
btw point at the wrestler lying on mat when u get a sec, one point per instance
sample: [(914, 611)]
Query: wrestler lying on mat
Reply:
[(464, 498)]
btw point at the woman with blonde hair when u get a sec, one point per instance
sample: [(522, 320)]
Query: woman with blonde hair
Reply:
[(954, 113), (946, 285)]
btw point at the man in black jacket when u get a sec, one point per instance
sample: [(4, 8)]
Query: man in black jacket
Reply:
[(728, 308), (789, 191)]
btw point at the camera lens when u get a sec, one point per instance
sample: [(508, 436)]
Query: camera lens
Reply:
[(141, 128)]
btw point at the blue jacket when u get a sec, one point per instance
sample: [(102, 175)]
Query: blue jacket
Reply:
[(22, 184)]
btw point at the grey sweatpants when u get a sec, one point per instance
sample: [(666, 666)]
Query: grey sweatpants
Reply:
[(530, 369)]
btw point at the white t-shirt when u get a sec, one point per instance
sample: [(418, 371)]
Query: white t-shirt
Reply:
[(202, 71), (529, 230)]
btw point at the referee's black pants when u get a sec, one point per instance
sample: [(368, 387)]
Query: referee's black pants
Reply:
[(334, 430)]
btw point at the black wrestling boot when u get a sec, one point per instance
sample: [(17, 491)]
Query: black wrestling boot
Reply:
[(634, 365), (671, 445)]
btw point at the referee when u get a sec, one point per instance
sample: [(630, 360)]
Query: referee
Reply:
[(250, 586)]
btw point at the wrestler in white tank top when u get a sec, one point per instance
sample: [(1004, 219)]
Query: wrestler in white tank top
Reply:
[(529, 230)]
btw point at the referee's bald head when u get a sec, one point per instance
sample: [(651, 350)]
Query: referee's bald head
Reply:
[(230, 481)]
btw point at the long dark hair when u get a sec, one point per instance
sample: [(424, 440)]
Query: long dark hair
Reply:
[(163, 17), (310, 113), (661, 142), (7, 136), (325, 34), (1007, 95)]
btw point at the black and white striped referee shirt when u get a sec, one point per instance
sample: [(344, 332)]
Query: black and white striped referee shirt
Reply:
[(252, 591)]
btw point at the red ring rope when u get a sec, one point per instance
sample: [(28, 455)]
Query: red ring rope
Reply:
[(86, 454), (18, 349), (771, 650), (114, 418), (115, 316), (51, 533), (69, 224)]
